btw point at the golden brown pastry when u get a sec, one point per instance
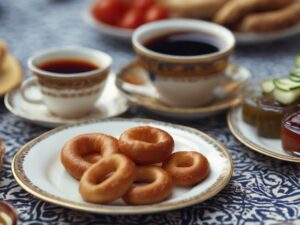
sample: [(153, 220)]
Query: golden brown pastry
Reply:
[(272, 21), (201, 9), (153, 185), (235, 10), (2, 51)]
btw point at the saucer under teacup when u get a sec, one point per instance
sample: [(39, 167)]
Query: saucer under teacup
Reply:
[(111, 103), (133, 82)]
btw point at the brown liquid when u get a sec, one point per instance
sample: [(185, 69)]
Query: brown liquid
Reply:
[(68, 66), (184, 44)]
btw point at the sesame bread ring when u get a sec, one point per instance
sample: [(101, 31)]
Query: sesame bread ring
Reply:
[(146, 145), (187, 168), (79, 153), (151, 185), (272, 21), (108, 179), (235, 10)]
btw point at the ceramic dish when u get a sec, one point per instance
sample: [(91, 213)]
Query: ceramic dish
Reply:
[(133, 81), (241, 38), (11, 74), (247, 134), (37, 167), (256, 38), (111, 103), (107, 29)]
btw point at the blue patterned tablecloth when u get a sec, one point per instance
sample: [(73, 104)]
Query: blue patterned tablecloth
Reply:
[(262, 190)]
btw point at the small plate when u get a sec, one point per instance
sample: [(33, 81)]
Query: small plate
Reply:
[(257, 38), (37, 167), (247, 134), (133, 81), (241, 38), (11, 74), (110, 104), (105, 28)]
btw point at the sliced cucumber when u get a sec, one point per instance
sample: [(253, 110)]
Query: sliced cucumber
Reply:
[(286, 84), (297, 61), (286, 97), (294, 78), (267, 86), (295, 72)]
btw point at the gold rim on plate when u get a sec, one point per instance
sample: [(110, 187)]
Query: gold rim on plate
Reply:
[(232, 122), (25, 183), (151, 104)]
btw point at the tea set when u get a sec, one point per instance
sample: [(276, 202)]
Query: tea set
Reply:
[(181, 86)]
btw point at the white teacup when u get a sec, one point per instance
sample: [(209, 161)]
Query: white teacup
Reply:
[(68, 95), (184, 81)]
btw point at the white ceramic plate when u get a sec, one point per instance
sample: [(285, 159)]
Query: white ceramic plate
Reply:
[(110, 104), (37, 167), (247, 134), (257, 38), (241, 38), (144, 94), (107, 29)]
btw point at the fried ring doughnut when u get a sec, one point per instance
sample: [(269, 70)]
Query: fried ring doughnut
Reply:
[(146, 145), (108, 179), (271, 21), (235, 10), (79, 153), (187, 168), (156, 186)]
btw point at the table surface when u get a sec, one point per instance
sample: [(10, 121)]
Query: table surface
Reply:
[(262, 190)]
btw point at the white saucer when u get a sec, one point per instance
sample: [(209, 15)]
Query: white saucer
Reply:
[(111, 103), (247, 134), (143, 94)]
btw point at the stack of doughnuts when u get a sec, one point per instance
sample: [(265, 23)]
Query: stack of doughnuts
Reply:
[(139, 167)]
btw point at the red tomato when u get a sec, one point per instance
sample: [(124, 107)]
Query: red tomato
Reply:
[(142, 5), (132, 19), (109, 11), (156, 12)]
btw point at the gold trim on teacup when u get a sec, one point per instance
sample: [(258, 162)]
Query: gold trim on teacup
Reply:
[(25, 182), (183, 70), (232, 121), (73, 83), (71, 95)]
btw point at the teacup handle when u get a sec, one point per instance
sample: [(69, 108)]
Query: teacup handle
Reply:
[(30, 82)]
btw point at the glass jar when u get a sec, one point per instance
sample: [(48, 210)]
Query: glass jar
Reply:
[(290, 130)]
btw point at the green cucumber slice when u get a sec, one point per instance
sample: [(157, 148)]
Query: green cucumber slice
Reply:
[(297, 61), (295, 72), (286, 84), (286, 97), (294, 78), (267, 86)]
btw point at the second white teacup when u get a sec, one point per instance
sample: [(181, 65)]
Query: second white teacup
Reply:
[(70, 79), (184, 80)]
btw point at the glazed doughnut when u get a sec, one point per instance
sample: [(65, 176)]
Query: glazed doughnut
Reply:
[(187, 168), (235, 10), (79, 153), (271, 21), (108, 179), (156, 186), (146, 145)]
